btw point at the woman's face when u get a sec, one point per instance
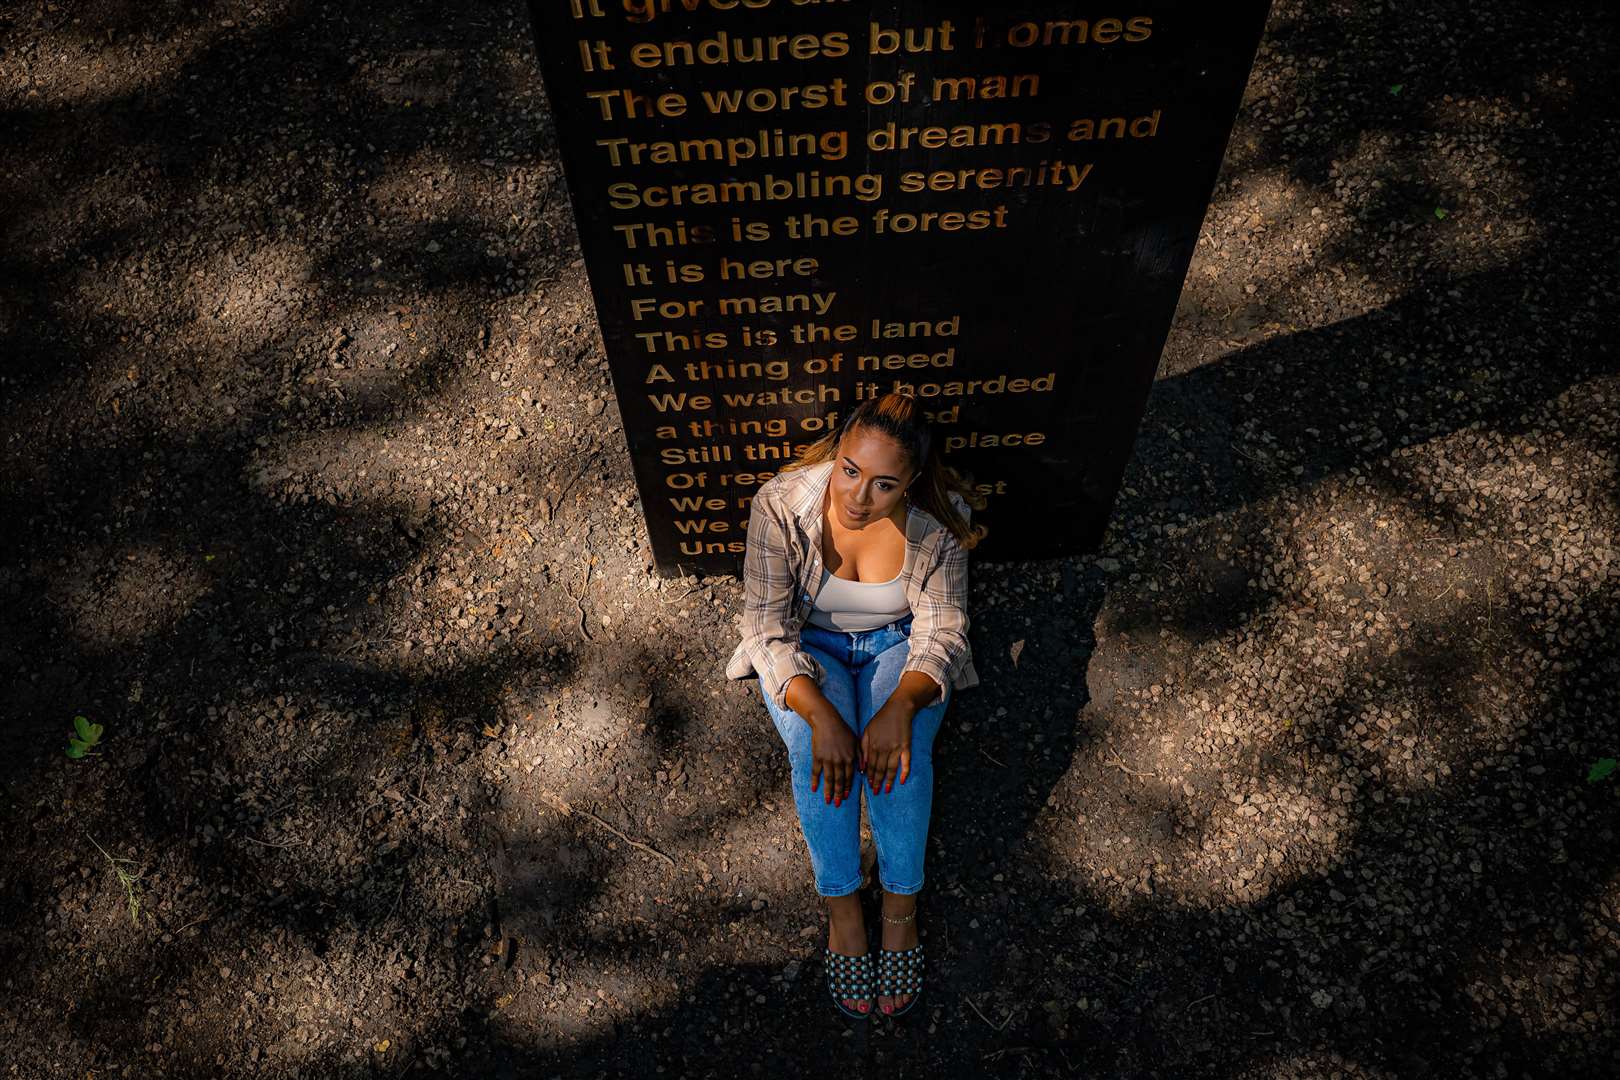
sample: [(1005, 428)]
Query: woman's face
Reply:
[(869, 478)]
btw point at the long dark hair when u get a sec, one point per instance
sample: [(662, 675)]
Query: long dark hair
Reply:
[(898, 417)]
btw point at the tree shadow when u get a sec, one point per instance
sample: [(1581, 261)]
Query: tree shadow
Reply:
[(1168, 983)]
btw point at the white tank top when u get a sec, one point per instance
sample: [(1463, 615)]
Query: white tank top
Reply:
[(857, 606)]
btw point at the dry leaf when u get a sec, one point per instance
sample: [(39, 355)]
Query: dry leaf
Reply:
[(1016, 650)]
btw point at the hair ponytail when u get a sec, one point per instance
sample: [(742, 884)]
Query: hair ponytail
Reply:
[(898, 417)]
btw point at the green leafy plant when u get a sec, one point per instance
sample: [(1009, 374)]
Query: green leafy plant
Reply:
[(1601, 769), (85, 735), (1396, 88), (125, 878), (1441, 213)]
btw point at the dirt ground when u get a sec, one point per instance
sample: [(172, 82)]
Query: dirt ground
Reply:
[(313, 495)]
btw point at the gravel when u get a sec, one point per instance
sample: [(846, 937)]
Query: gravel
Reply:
[(412, 766)]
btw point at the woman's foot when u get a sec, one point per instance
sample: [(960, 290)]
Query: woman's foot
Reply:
[(899, 935), (846, 936)]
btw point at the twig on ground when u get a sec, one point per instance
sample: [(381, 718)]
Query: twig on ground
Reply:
[(584, 587), (579, 475), (194, 922), (1200, 1001), (681, 597), (986, 1019), (266, 843), (362, 816), (986, 753), (564, 806), (1060, 1045), (1122, 767)]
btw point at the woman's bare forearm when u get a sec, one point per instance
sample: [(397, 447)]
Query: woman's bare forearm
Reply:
[(915, 692), (804, 697)]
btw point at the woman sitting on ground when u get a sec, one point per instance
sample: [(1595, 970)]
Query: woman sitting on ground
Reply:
[(855, 585)]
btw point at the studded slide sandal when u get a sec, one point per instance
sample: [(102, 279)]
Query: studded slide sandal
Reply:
[(901, 972), (849, 977)]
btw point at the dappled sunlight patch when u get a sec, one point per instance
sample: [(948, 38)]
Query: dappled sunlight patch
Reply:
[(435, 774), (119, 595), (1403, 670), (245, 300), (1153, 826), (58, 74), (1455, 191), (1243, 304), (764, 848), (335, 989), (411, 77), (344, 468), (425, 187), (1247, 766), (309, 1009), (1353, 554), (582, 1005)]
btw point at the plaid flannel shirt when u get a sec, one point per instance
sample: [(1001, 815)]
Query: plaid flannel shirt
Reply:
[(782, 569)]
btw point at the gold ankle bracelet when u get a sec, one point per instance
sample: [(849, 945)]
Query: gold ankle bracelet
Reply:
[(903, 919)]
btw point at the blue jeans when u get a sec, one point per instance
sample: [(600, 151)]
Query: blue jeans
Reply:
[(862, 671)]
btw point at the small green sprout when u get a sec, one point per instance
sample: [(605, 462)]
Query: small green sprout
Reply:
[(1396, 88), (1441, 213), (1601, 769), (85, 736)]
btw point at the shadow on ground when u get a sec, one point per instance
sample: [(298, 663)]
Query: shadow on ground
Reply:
[(247, 732)]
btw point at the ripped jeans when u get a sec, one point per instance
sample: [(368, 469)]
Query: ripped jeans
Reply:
[(863, 669)]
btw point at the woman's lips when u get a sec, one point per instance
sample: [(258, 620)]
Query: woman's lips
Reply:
[(855, 515)]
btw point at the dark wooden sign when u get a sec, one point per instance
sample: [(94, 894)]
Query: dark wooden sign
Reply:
[(788, 206)]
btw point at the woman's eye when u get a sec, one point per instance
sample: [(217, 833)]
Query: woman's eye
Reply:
[(848, 471), (885, 487)]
